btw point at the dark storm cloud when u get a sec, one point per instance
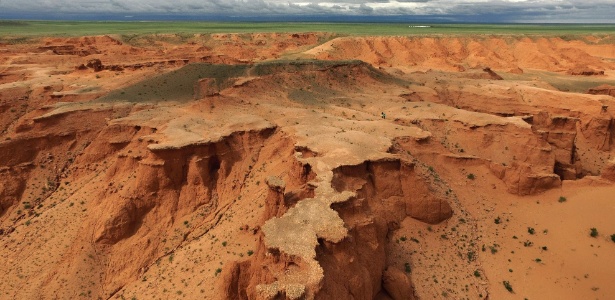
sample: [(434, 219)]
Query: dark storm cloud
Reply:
[(460, 10)]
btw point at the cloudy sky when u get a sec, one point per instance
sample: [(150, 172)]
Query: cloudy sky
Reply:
[(576, 11)]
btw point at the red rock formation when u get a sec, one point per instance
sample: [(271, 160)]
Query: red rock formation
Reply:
[(585, 72), (604, 89)]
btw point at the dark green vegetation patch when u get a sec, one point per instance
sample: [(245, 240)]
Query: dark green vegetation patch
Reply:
[(176, 85), (179, 85)]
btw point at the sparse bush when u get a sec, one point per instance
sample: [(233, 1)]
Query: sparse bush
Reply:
[(218, 271), (593, 232), (250, 252), (471, 256), (403, 238), (471, 176), (561, 199), (531, 230), (613, 238), (508, 286), (538, 260), (497, 220), (476, 273), (224, 244)]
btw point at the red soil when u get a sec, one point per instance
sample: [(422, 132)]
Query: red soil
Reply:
[(280, 178)]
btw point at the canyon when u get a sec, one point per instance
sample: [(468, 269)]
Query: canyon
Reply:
[(307, 166)]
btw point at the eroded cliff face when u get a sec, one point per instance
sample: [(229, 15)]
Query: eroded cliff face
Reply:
[(333, 245), (293, 178)]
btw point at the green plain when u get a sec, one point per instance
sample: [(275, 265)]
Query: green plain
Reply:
[(83, 28)]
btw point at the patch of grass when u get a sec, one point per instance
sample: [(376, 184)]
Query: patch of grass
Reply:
[(184, 29)]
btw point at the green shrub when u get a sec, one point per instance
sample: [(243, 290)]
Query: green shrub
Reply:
[(593, 232), (471, 256), (562, 199), (531, 230), (471, 176), (613, 238), (508, 286), (407, 268)]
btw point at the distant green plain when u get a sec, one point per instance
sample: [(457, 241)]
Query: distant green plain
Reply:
[(79, 28)]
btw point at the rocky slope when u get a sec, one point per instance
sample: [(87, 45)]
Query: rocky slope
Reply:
[(303, 166)]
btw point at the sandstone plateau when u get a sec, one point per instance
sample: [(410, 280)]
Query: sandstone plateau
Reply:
[(258, 166)]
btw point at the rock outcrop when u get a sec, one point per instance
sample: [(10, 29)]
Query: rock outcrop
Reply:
[(604, 89)]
